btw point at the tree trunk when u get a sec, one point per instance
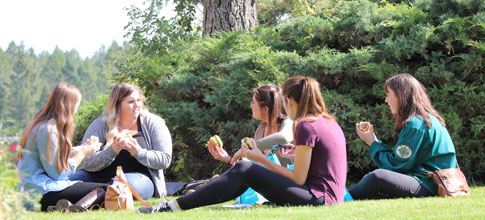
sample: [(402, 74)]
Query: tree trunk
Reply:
[(229, 15)]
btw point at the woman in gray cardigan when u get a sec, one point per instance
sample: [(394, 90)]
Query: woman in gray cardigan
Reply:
[(133, 138)]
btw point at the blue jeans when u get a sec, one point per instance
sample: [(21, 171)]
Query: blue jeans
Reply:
[(138, 181)]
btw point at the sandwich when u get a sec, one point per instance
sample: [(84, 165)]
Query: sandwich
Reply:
[(125, 134), (93, 140), (215, 140), (364, 126), (247, 143), (129, 134)]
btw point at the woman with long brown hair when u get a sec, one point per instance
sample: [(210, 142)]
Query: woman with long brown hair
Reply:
[(424, 145), (267, 106), (45, 151), (133, 138), (319, 172)]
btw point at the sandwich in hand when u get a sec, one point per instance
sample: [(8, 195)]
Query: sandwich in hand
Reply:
[(364, 126), (215, 140), (247, 143), (93, 140), (125, 134), (129, 134)]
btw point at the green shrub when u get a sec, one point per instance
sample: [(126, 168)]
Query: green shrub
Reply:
[(202, 86), (303, 34), (440, 9), (86, 114), (11, 201)]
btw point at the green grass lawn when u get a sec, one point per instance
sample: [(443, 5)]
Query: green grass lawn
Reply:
[(471, 207)]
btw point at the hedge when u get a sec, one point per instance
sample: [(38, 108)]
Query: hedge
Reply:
[(202, 86)]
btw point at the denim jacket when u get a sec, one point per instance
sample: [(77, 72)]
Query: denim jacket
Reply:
[(37, 174)]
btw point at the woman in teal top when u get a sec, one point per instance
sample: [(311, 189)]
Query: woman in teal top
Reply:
[(47, 156), (424, 145)]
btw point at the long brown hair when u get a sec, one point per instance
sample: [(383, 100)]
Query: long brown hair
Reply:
[(271, 96), (117, 95), (306, 93), (58, 111), (413, 100)]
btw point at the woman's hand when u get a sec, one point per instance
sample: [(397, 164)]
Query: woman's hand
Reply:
[(237, 156), (287, 153), (85, 150), (218, 153), (131, 145), (117, 144), (368, 137), (89, 149), (255, 154)]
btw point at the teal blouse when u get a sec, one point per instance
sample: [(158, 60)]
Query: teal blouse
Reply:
[(418, 150)]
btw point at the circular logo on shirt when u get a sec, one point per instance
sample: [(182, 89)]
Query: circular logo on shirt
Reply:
[(403, 151)]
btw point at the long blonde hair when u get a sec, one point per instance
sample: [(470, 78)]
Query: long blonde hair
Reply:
[(117, 95), (306, 93), (58, 111), (413, 100)]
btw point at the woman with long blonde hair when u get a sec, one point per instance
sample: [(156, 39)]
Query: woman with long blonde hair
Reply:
[(133, 138), (46, 155)]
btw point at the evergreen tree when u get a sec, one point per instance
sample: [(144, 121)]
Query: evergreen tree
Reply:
[(27, 79), (24, 87)]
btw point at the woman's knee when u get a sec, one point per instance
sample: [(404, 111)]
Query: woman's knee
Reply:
[(242, 166), (379, 174), (374, 177), (369, 185), (138, 177), (141, 183), (81, 175)]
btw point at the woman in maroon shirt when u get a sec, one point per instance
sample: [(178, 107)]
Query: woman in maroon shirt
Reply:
[(320, 143), (320, 159)]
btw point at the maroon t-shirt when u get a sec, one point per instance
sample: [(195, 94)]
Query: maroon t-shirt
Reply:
[(328, 167)]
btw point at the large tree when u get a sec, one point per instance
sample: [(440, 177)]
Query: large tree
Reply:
[(227, 15), (153, 33)]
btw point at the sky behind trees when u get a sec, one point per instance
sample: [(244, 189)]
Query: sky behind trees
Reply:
[(69, 24)]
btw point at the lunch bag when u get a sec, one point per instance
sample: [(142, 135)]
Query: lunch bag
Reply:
[(119, 195)]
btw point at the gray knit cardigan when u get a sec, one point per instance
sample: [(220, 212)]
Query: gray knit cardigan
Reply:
[(156, 158)]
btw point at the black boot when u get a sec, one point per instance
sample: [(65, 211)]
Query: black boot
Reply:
[(61, 205)]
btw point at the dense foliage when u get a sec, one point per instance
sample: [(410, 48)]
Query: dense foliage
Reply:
[(202, 86)]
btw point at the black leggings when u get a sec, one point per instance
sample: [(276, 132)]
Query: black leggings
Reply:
[(73, 193), (232, 183), (382, 183)]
